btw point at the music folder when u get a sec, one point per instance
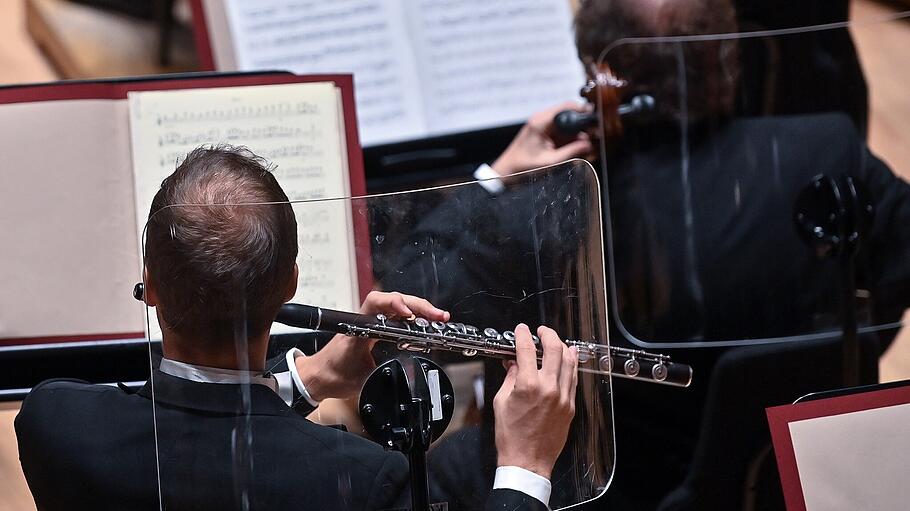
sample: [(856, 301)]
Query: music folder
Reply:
[(82, 160), (844, 450)]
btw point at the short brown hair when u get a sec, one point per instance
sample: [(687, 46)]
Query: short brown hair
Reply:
[(711, 68), (212, 260)]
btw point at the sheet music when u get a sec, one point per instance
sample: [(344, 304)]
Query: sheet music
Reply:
[(421, 67), (486, 64), (298, 128), (365, 37)]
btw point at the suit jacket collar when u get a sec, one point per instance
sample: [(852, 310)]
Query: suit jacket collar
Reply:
[(221, 398)]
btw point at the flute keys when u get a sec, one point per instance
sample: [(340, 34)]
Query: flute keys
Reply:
[(491, 333), (659, 372), (422, 323), (631, 367), (439, 326), (471, 330), (458, 328), (509, 336), (605, 363)]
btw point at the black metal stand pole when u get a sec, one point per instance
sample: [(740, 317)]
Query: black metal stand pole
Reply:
[(833, 216), (400, 416), (420, 490), (848, 320)]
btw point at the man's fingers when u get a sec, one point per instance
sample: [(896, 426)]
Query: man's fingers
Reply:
[(423, 308), (568, 375), (574, 149), (385, 303), (544, 118), (507, 384), (395, 304), (402, 305), (525, 353), (511, 373), (552, 353), (573, 386)]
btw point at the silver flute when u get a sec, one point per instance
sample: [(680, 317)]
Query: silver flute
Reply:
[(422, 335)]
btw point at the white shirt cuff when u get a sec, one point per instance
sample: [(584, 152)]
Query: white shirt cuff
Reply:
[(292, 355), (489, 179), (525, 481)]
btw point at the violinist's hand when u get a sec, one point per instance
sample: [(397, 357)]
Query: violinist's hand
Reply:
[(534, 145), (339, 369), (534, 408)]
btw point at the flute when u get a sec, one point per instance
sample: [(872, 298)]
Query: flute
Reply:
[(421, 335)]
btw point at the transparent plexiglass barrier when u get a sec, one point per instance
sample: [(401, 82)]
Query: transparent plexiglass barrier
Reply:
[(742, 202), (492, 260)]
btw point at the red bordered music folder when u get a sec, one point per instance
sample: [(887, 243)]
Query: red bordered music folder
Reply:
[(845, 417), (67, 208)]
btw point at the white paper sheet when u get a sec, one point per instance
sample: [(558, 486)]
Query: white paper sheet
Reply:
[(486, 64), (298, 128), (421, 68), (855, 461), (364, 37)]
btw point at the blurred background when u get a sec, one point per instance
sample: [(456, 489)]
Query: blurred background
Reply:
[(48, 40)]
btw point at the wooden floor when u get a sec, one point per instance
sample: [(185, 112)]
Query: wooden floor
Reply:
[(882, 48)]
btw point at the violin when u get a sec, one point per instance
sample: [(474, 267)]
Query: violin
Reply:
[(605, 91)]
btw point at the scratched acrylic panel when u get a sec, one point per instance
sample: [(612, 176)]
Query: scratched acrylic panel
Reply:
[(725, 223), (532, 255)]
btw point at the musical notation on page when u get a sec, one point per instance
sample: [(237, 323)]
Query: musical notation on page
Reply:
[(493, 63), (296, 128), (366, 37), (421, 67)]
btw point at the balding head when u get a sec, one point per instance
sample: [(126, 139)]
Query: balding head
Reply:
[(216, 265), (711, 68)]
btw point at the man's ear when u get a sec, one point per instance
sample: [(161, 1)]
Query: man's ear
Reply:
[(149, 294), (292, 285)]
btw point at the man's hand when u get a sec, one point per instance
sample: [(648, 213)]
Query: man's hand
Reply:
[(534, 408), (534, 145), (339, 369)]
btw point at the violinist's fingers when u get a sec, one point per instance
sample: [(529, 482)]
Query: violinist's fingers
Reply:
[(544, 118), (575, 149)]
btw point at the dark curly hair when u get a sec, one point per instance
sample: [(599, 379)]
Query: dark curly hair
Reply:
[(690, 80)]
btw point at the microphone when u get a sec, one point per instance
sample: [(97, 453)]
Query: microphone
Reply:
[(569, 122)]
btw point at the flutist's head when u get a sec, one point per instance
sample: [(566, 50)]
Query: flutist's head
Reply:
[(218, 270), (689, 80)]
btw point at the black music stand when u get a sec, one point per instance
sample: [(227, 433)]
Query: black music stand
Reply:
[(405, 410), (833, 217)]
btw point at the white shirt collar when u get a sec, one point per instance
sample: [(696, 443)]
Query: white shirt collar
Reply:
[(206, 374)]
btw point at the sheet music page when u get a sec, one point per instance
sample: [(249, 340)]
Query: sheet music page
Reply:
[(365, 37), (297, 127), (486, 64)]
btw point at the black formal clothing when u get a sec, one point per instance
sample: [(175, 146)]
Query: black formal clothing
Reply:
[(88, 446), (703, 247)]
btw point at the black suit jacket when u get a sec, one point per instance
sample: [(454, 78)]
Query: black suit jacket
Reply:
[(88, 446)]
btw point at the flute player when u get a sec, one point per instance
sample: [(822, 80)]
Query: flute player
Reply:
[(88, 446)]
